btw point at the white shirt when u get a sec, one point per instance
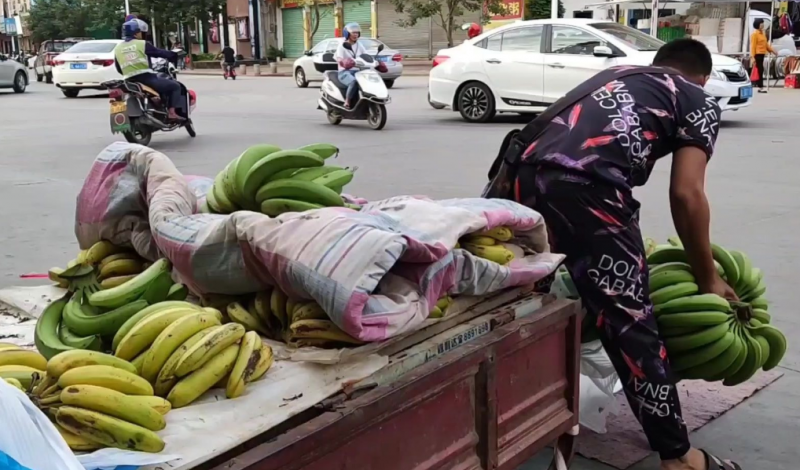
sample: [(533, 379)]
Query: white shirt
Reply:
[(342, 53)]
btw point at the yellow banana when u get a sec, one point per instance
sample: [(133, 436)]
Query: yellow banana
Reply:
[(264, 363), (246, 361), (24, 374), (76, 442), (220, 338), (98, 252), (166, 377), (81, 258), (480, 240), (291, 304), (23, 357), (444, 302), (142, 335), (117, 256), (106, 376), (242, 316), (54, 274), (121, 267), (107, 430), (320, 329), (309, 311), (502, 234), (171, 338), (157, 403), (71, 359), (111, 282), (114, 404), (15, 383), (198, 382), (277, 305), (498, 254), (138, 361), (262, 308), (5, 346)]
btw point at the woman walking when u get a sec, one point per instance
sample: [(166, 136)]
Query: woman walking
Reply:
[(759, 46)]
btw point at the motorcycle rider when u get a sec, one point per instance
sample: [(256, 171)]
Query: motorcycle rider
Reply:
[(132, 60), (228, 56), (346, 58)]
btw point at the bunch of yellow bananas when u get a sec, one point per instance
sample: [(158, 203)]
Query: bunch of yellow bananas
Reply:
[(489, 244)]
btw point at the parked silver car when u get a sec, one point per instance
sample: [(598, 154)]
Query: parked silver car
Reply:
[(318, 60), (13, 74)]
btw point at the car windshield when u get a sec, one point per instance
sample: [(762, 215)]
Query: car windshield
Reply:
[(631, 37), (87, 47), (61, 46), (369, 43)]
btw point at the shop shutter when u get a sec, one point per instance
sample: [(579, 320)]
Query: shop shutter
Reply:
[(440, 38), (359, 11), (293, 44), (326, 29), (411, 42)]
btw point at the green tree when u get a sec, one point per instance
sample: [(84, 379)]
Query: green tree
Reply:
[(445, 13), (58, 19), (540, 9)]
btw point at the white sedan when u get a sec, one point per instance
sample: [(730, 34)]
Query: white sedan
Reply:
[(525, 66), (85, 66)]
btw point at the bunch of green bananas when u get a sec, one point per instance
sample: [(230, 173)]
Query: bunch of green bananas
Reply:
[(440, 309), (97, 400), (296, 322), (490, 244), (89, 316), (706, 336), (273, 181)]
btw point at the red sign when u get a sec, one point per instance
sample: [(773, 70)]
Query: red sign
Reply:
[(514, 10)]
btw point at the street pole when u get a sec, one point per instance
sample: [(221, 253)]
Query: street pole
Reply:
[(127, 7), (554, 9)]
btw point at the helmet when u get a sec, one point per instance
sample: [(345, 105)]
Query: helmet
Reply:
[(131, 27), (351, 28), (474, 30)]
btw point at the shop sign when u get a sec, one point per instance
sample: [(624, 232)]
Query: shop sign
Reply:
[(300, 3), (513, 10), (10, 26)]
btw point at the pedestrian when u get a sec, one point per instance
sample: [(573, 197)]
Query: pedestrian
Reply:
[(759, 46), (578, 170)]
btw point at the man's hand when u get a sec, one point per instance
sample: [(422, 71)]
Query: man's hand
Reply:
[(717, 285)]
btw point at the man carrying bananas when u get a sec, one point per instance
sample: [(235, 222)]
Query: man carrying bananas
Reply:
[(578, 170)]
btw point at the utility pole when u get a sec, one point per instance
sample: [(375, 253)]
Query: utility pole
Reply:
[(554, 9), (127, 7)]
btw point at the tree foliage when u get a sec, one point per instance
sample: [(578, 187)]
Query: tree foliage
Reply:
[(445, 13), (58, 19), (540, 9), (318, 12)]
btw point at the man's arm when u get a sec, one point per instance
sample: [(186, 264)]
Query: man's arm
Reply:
[(152, 51), (692, 217)]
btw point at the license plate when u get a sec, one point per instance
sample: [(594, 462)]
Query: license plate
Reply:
[(77, 66), (746, 92), (384, 59), (118, 107)]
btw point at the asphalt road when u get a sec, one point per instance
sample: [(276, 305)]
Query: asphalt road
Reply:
[(48, 142)]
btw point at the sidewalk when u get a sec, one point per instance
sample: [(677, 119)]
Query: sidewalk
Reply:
[(411, 68)]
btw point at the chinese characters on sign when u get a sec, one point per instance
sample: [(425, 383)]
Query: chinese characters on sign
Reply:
[(513, 10)]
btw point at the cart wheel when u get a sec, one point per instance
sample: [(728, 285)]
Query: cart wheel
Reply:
[(564, 450)]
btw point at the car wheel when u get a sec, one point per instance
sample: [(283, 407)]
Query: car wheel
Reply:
[(20, 83), (300, 78), (48, 77), (70, 92), (39, 78), (389, 83), (476, 103), (434, 105)]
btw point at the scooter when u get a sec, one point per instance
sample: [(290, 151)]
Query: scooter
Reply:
[(373, 96), (230, 72)]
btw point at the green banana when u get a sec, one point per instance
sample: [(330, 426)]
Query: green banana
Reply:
[(756, 292), (310, 174), (91, 343), (158, 290), (675, 241), (761, 315), (668, 278), (45, 334), (765, 349), (691, 319), (142, 314), (131, 290), (740, 359), (760, 303), (276, 207), (335, 179), (324, 151), (275, 162), (673, 266), (777, 344), (718, 364), (694, 303), (80, 320), (675, 291), (672, 331), (178, 292), (745, 267), (299, 190), (212, 203), (220, 197), (701, 354), (751, 363), (244, 163), (727, 262), (668, 254), (696, 340), (285, 174)]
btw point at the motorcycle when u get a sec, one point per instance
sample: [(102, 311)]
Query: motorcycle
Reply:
[(137, 111), (230, 71), (373, 96)]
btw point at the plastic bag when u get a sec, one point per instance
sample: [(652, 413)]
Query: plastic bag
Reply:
[(29, 441), (599, 383)]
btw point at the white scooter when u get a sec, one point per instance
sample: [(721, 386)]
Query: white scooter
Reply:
[(373, 96)]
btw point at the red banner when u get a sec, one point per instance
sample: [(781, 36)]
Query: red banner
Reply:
[(514, 10)]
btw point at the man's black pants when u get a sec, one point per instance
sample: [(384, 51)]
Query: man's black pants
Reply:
[(169, 90)]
